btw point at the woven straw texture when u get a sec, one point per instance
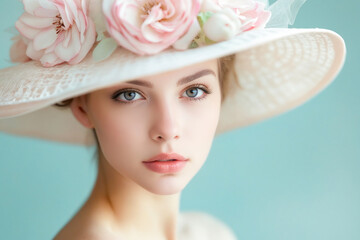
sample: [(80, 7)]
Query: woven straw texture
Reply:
[(274, 71)]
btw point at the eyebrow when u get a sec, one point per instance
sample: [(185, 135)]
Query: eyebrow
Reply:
[(182, 81)]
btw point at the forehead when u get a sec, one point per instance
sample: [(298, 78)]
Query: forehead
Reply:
[(177, 74), (173, 78)]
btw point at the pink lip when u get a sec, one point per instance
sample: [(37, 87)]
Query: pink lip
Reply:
[(166, 167)]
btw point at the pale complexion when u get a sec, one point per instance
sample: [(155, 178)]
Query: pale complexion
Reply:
[(173, 112)]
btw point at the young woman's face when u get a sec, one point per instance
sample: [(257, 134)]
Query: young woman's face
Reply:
[(173, 112)]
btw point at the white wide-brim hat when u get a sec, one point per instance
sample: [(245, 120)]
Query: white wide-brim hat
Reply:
[(276, 69)]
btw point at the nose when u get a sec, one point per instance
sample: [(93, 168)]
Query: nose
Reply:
[(166, 125)]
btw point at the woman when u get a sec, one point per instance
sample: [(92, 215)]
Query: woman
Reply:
[(175, 118), (149, 96)]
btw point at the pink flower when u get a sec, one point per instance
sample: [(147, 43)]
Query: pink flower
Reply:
[(56, 31), (149, 26), (231, 18), (250, 13)]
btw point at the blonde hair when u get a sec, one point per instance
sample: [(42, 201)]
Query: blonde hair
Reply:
[(226, 66)]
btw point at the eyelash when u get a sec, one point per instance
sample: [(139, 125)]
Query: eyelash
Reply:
[(199, 86)]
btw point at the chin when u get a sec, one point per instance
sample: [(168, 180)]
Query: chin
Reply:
[(168, 185)]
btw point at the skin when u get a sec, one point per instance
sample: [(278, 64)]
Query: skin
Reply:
[(164, 118)]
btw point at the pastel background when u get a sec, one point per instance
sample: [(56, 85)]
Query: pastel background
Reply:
[(294, 177)]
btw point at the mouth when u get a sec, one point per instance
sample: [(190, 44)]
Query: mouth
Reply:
[(169, 160), (166, 163), (166, 157)]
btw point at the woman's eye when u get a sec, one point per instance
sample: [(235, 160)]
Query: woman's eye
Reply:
[(127, 96), (130, 96), (194, 92)]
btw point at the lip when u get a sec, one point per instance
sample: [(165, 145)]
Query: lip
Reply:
[(154, 163), (166, 156)]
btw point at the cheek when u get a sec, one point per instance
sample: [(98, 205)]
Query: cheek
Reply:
[(202, 121), (119, 138), (201, 126), (204, 114)]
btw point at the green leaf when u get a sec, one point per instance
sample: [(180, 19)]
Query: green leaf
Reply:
[(104, 49), (194, 44), (100, 36), (208, 41), (203, 17)]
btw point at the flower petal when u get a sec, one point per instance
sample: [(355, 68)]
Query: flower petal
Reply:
[(107, 7), (32, 53), (63, 14), (70, 10), (50, 60), (31, 5), (81, 25), (45, 39), (43, 12), (36, 22), (67, 38), (185, 41), (129, 14), (67, 51), (210, 6), (49, 5), (96, 14), (124, 42), (149, 33), (219, 27), (26, 30), (84, 5), (87, 44)]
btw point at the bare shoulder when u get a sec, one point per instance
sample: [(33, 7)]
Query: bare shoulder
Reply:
[(84, 233), (204, 226), (85, 227), (72, 230)]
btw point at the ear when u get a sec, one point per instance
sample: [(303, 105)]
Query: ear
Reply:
[(79, 110)]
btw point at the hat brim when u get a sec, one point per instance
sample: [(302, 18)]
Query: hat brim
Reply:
[(274, 71)]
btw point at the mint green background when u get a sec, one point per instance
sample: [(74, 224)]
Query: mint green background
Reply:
[(293, 177)]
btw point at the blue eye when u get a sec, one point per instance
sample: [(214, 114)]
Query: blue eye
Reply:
[(197, 92), (194, 92), (127, 96)]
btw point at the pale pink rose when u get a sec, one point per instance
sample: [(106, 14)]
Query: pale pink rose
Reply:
[(250, 13), (18, 50), (149, 26), (56, 31)]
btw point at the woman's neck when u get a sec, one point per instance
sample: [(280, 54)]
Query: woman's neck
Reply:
[(130, 209)]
